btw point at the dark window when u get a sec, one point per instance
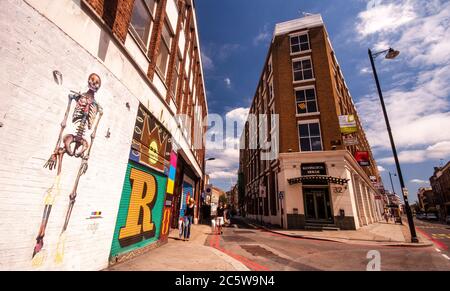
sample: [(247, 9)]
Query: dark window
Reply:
[(299, 43), (142, 20), (306, 101), (302, 70), (310, 139), (164, 49)]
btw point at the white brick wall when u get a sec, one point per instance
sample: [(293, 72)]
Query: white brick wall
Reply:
[(32, 106)]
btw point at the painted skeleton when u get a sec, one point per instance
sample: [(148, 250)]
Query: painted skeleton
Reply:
[(75, 145)]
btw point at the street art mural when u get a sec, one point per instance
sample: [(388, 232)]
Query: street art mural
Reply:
[(141, 210), (169, 195), (86, 116)]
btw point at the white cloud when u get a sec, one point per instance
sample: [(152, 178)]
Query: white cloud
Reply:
[(224, 168), (227, 82), (419, 181), (262, 36), (381, 169), (417, 83), (385, 17), (207, 62)]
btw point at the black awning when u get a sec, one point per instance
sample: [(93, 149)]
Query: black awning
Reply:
[(319, 179)]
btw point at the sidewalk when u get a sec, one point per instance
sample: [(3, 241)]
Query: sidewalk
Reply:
[(380, 233), (179, 255)]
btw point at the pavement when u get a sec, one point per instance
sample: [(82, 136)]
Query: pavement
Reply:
[(380, 233), (179, 255), (244, 247)]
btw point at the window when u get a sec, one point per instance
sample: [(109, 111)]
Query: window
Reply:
[(142, 20), (177, 75), (306, 101), (164, 49), (310, 139), (302, 69), (299, 43)]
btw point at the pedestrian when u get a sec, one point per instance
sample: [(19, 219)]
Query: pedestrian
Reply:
[(386, 216), (219, 218), (188, 218)]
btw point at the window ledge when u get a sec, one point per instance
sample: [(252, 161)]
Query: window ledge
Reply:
[(305, 81), (301, 53), (308, 114)]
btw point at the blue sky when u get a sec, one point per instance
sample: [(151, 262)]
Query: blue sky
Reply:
[(235, 36)]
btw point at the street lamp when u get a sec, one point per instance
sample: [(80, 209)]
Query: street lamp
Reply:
[(391, 54)]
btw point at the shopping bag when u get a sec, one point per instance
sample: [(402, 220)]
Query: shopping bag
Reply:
[(213, 225)]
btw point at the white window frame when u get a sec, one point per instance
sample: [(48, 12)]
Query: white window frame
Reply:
[(144, 46), (312, 70), (315, 97), (309, 121), (298, 34)]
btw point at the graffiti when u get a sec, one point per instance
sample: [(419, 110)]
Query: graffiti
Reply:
[(140, 210), (151, 144), (169, 195), (86, 115), (149, 176)]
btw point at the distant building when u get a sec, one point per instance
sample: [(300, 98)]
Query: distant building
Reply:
[(325, 173), (426, 198), (440, 183)]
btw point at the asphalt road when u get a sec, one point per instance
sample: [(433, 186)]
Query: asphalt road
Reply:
[(437, 232), (261, 250)]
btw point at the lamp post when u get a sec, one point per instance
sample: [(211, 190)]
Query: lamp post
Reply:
[(203, 189), (391, 54), (392, 184)]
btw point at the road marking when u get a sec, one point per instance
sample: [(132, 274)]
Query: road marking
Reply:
[(445, 256), (437, 250), (436, 242)]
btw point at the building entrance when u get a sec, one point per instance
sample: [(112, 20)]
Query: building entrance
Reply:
[(317, 205)]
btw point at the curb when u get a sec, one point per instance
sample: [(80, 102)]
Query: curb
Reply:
[(346, 241)]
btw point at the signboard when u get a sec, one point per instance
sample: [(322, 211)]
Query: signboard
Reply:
[(313, 169), (347, 123), (373, 179), (362, 157), (349, 140), (262, 191)]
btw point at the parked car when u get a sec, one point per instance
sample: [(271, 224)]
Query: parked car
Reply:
[(420, 215), (432, 216)]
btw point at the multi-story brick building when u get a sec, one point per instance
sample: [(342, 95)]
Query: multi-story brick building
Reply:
[(107, 200), (325, 174), (440, 183)]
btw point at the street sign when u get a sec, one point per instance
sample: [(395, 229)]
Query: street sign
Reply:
[(405, 192)]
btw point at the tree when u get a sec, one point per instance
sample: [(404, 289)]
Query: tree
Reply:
[(223, 199)]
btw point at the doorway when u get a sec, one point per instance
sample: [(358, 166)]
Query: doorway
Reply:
[(317, 205)]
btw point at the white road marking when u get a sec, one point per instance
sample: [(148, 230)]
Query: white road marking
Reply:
[(437, 250), (445, 256)]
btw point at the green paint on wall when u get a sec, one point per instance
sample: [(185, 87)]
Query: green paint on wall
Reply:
[(157, 205)]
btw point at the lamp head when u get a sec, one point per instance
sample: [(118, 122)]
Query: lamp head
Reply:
[(392, 54)]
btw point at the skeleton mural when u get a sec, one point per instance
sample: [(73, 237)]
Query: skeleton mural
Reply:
[(86, 116)]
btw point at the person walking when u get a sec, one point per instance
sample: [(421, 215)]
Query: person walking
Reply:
[(188, 219), (219, 217), (386, 216)]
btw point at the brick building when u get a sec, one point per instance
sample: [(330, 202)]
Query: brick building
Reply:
[(440, 183), (139, 64), (324, 175)]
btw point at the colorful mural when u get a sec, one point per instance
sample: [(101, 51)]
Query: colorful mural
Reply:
[(140, 211), (150, 175), (86, 115), (169, 195)]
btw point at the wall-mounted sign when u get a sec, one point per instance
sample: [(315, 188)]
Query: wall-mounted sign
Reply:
[(347, 123), (362, 157), (349, 140), (373, 179), (313, 169)]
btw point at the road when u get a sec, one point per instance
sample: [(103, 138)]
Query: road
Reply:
[(437, 232), (261, 250)]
